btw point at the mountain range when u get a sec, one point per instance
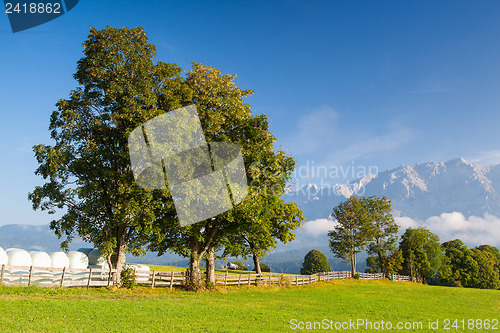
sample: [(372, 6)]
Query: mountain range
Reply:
[(420, 195), (420, 191)]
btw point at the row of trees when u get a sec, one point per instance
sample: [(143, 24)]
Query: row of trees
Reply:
[(367, 223), (88, 173)]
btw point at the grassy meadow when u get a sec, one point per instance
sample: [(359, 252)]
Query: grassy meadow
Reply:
[(257, 309)]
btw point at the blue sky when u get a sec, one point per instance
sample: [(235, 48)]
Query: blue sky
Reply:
[(344, 83)]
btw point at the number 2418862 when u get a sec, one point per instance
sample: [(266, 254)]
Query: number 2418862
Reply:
[(33, 8)]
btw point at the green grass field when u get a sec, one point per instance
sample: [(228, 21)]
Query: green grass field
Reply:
[(249, 309)]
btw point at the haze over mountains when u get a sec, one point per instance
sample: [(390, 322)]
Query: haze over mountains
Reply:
[(454, 199)]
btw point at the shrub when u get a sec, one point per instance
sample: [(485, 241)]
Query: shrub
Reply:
[(284, 281), (128, 277), (314, 262)]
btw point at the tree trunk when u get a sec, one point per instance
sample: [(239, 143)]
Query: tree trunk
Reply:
[(411, 266), (117, 258), (353, 264), (381, 263), (210, 264), (256, 264), (194, 278)]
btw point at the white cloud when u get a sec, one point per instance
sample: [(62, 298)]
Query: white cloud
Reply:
[(406, 222), (487, 158), (473, 230), (318, 227)]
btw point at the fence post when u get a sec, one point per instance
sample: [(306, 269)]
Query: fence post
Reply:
[(225, 279), (239, 280), (171, 280), (31, 274), (249, 278), (153, 282), (62, 277), (296, 280), (270, 282), (90, 278), (2, 274)]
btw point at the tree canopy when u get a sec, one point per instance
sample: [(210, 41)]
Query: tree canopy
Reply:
[(362, 222), (471, 268), (88, 169), (383, 232), (422, 253), (353, 230)]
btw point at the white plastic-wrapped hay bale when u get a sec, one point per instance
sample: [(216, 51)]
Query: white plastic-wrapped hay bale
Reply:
[(18, 257), (85, 250), (40, 259), (96, 259), (4, 259), (78, 260), (59, 259)]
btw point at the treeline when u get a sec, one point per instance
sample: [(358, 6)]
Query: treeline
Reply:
[(367, 223)]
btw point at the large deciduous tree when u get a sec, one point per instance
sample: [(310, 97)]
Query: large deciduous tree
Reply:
[(384, 231), (352, 232), (423, 254), (457, 265), (88, 168), (226, 118)]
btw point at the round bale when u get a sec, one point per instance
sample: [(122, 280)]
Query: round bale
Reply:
[(95, 258), (59, 259), (40, 259), (18, 257), (78, 260)]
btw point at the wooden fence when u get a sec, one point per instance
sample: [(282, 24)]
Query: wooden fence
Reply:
[(66, 277), (155, 278), (395, 277), (297, 280)]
